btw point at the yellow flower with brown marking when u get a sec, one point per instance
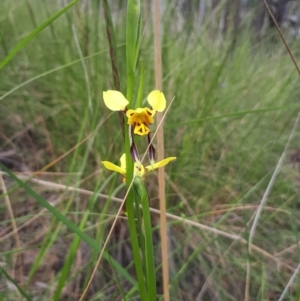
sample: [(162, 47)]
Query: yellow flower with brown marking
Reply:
[(139, 118)]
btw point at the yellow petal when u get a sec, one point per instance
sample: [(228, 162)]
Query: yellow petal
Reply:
[(123, 162), (160, 163), (115, 100), (157, 100), (114, 167)]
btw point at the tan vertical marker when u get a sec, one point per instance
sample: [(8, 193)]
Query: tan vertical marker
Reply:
[(160, 156)]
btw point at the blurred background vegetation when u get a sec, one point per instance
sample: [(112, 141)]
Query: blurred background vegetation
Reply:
[(236, 102)]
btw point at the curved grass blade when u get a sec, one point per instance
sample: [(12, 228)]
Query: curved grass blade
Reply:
[(139, 98), (235, 114), (51, 71), (21, 291), (69, 224), (21, 44)]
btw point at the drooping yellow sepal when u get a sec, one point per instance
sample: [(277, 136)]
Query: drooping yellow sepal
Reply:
[(114, 167), (159, 164), (120, 169)]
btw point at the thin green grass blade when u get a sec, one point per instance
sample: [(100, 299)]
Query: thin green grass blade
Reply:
[(68, 223), (21, 291), (140, 94), (44, 249), (21, 44), (132, 34), (196, 252), (4, 22), (51, 71), (132, 29), (235, 114), (138, 39), (52, 235), (56, 227)]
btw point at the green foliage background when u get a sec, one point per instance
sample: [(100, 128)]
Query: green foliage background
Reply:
[(236, 101)]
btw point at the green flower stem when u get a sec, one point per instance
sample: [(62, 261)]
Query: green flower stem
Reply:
[(132, 49), (149, 254), (132, 21), (139, 222), (135, 249)]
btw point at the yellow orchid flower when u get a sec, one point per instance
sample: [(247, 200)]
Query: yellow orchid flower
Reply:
[(139, 169), (139, 118)]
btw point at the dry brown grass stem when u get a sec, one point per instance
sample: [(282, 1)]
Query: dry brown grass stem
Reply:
[(52, 163), (289, 284), (288, 250), (282, 37), (180, 195), (160, 156), (185, 221), (31, 220)]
